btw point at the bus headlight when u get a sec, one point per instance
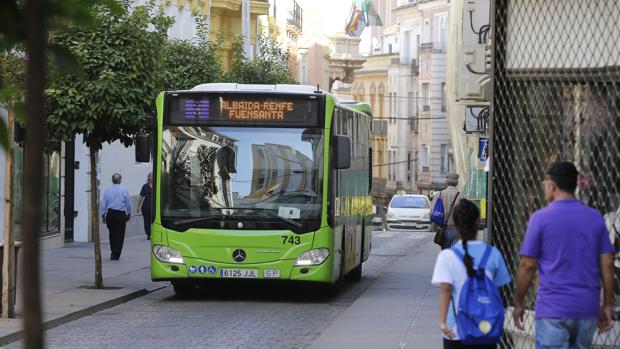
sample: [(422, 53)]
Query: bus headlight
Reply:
[(167, 254), (312, 257)]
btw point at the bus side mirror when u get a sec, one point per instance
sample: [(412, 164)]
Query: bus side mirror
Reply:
[(143, 151), (342, 152)]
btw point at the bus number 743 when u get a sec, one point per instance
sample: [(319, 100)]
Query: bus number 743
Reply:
[(293, 240)]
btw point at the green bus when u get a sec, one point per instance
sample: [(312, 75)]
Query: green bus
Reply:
[(259, 182)]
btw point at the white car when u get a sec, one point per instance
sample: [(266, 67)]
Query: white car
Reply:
[(409, 212)]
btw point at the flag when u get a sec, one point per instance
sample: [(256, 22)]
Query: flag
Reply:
[(372, 16), (363, 14), (357, 22)]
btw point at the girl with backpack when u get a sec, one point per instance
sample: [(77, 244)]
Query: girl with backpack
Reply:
[(471, 312)]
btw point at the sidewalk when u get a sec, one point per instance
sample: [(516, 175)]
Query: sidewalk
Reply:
[(69, 272), (399, 310)]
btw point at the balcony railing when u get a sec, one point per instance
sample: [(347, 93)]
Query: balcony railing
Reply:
[(379, 127), (435, 46), (426, 46), (295, 16)]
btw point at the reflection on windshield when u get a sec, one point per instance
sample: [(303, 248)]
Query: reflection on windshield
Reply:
[(409, 202), (268, 170)]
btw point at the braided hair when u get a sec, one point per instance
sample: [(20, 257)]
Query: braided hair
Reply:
[(466, 218)]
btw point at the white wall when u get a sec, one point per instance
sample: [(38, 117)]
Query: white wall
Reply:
[(115, 158)]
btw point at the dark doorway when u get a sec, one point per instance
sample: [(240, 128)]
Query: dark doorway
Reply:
[(69, 189)]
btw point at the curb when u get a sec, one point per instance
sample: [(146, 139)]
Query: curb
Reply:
[(82, 313)]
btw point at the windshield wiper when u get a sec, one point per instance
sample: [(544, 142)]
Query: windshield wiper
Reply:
[(202, 219)]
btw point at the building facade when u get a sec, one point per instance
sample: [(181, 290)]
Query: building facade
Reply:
[(371, 86), (435, 157), (222, 16), (466, 99), (285, 24)]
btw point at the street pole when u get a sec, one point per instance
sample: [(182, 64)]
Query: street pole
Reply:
[(8, 277)]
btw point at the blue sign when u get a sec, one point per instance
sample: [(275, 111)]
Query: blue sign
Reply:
[(202, 269), (192, 269), (483, 149), (211, 269)]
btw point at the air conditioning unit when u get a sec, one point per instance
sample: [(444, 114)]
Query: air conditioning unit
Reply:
[(475, 54)]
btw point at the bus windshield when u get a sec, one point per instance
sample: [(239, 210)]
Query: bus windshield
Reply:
[(252, 173)]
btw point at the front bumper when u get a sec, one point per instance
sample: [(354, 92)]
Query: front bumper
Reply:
[(398, 224), (203, 270)]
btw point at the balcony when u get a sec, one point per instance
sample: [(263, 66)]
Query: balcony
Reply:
[(294, 20), (426, 46), (379, 127), (437, 46)]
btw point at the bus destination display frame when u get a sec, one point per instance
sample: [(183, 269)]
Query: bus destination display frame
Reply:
[(242, 109)]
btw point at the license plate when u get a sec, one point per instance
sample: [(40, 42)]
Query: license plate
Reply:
[(239, 273), (271, 274)]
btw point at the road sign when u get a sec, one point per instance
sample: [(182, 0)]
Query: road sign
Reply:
[(483, 149)]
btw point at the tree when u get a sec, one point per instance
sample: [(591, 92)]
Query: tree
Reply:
[(186, 64), (270, 66), (120, 61), (28, 25)]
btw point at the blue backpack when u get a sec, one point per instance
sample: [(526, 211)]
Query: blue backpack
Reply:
[(439, 212), (438, 215), (480, 317)]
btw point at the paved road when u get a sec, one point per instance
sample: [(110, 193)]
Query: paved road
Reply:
[(273, 316)]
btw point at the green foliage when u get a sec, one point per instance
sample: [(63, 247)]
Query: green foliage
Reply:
[(120, 60), (270, 66), (13, 34), (12, 78), (186, 64)]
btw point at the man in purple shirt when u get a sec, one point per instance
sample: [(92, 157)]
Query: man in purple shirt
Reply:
[(567, 242)]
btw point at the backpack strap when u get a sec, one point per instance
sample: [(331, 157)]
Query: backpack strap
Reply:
[(485, 258), (458, 253)]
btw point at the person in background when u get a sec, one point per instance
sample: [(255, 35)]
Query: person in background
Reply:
[(450, 272), (115, 212), (568, 244), (144, 204), (450, 198)]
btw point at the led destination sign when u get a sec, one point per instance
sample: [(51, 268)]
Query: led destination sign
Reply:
[(255, 110), (236, 109)]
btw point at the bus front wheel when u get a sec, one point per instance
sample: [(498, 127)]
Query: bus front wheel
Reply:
[(182, 288), (355, 274)]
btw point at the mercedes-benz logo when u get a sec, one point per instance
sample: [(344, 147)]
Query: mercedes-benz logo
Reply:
[(238, 255)]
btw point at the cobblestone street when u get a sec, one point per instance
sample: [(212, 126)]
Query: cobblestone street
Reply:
[(234, 316)]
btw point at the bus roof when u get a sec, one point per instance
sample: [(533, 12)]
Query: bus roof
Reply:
[(363, 107), (232, 87)]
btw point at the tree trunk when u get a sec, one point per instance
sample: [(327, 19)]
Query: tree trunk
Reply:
[(94, 218), (33, 171), (8, 277)]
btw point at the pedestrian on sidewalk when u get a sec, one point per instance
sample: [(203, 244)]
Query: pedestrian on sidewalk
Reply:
[(116, 211), (451, 272), (449, 197), (144, 204), (568, 244)]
